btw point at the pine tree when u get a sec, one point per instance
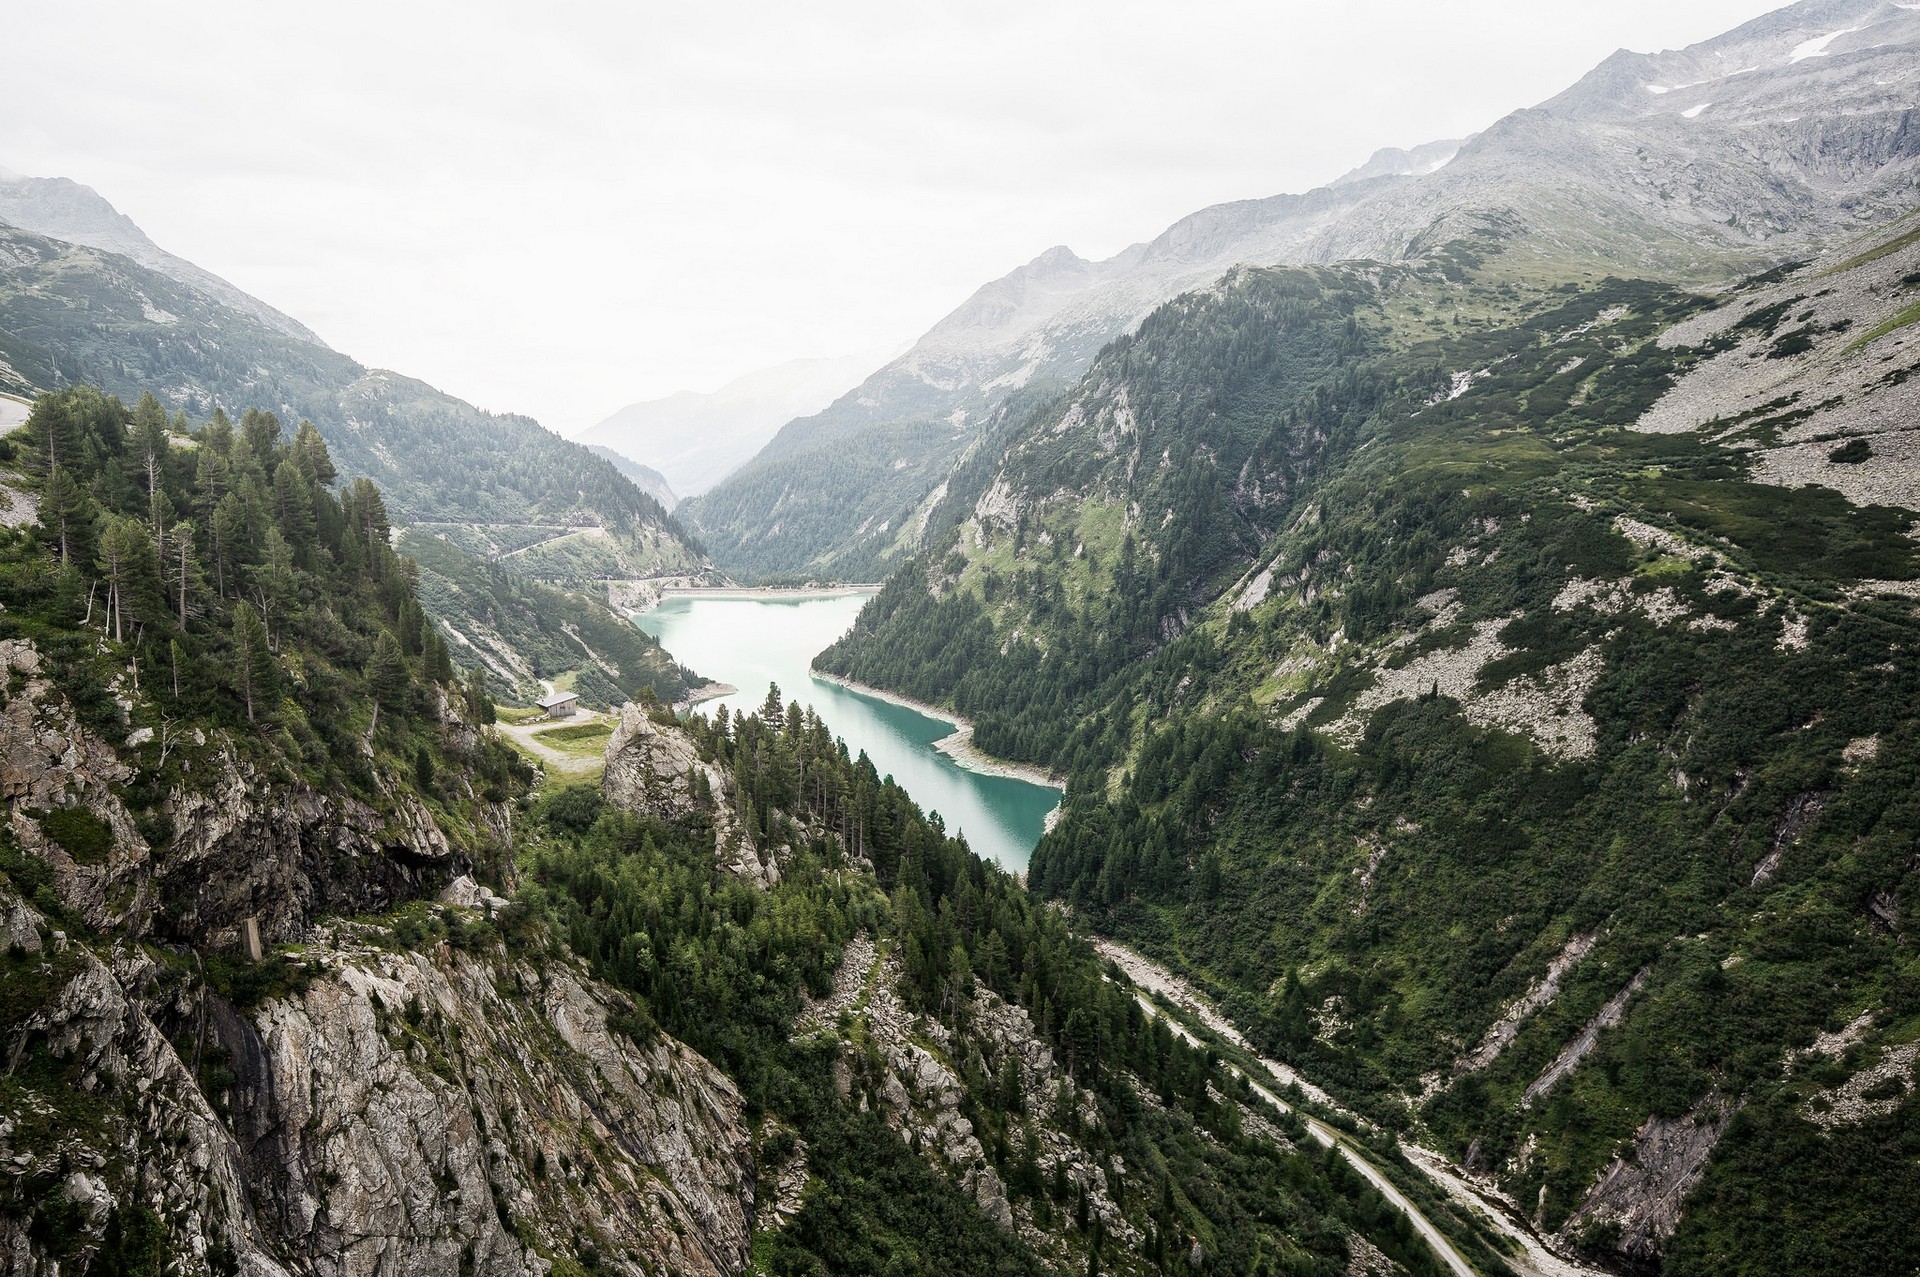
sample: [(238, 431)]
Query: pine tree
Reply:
[(310, 454), (126, 568), (229, 535), (479, 702), (255, 676), (261, 431), (293, 504), (150, 441), (436, 665), (66, 512), (387, 673), (182, 571), (217, 435), (274, 581)]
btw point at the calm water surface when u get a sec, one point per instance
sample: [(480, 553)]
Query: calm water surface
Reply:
[(752, 642)]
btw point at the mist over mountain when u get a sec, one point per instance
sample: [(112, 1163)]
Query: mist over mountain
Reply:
[(645, 478), (695, 440)]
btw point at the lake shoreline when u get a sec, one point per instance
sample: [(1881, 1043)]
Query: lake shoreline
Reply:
[(754, 593), (705, 692), (959, 746), (752, 638)]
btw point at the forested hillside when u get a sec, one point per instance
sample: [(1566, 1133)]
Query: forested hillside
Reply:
[(1456, 680), (750, 1010), (945, 1078), (524, 633)]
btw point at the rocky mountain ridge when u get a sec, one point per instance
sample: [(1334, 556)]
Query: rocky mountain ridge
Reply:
[(65, 210), (1692, 166)]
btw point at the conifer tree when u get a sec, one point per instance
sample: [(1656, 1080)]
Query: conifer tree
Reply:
[(125, 561), (293, 504), (150, 440), (479, 702), (387, 672), (254, 674), (436, 665), (181, 569), (260, 431), (66, 512), (229, 535), (310, 454), (217, 435)]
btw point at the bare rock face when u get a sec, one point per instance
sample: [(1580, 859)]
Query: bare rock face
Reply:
[(242, 846), (1642, 1195), (287, 854), (154, 1140), (51, 768), (441, 1113), (392, 1112), (656, 770)]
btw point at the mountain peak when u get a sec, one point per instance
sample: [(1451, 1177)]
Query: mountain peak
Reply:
[(1059, 257), (1392, 161), (63, 209)]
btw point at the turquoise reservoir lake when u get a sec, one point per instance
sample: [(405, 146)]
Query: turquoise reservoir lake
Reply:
[(750, 642)]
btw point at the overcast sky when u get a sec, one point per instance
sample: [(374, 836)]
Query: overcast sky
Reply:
[(561, 208)]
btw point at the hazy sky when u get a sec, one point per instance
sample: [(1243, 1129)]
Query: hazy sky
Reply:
[(560, 208)]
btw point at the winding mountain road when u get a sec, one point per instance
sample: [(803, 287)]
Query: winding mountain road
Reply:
[(1533, 1258)]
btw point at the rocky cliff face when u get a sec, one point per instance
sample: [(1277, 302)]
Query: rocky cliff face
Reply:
[(242, 845), (474, 1112), (655, 769), (413, 1096), (381, 1111)]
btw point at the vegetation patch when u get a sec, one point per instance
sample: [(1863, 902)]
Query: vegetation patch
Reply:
[(79, 833), (1892, 324)]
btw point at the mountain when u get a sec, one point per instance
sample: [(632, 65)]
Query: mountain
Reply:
[(303, 976), (1500, 694), (696, 440), (500, 486), (65, 210), (1690, 166), (645, 478)]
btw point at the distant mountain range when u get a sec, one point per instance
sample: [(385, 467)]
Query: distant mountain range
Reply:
[(1690, 166), (86, 296), (645, 478), (696, 440)]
